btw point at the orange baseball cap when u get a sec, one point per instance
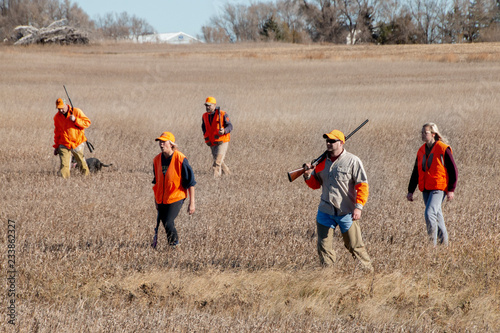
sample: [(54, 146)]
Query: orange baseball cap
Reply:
[(210, 100), (60, 103), (335, 135), (166, 136)]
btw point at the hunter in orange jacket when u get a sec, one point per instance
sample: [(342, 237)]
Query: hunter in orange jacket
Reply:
[(69, 135), (69, 127)]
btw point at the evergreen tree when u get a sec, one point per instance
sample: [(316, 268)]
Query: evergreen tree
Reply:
[(272, 30)]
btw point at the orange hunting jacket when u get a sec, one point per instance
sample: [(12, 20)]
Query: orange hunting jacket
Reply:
[(212, 130), (432, 174), (68, 133), (168, 188)]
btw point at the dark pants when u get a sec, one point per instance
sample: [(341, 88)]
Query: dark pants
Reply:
[(167, 214)]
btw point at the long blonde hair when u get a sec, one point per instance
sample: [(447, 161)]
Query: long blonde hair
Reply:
[(434, 130)]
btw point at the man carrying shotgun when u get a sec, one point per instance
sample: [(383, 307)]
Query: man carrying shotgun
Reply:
[(216, 128), (344, 193), (69, 137)]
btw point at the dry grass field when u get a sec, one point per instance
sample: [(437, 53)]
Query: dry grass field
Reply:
[(247, 260)]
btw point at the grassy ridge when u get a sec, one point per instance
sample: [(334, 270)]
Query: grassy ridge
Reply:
[(247, 261)]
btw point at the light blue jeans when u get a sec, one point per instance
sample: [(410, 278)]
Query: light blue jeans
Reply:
[(434, 219), (343, 221), (351, 234)]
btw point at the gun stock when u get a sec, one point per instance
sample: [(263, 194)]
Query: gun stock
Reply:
[(292, 175)]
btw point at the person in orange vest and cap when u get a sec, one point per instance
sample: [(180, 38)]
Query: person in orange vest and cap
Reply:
[(173, 182), (344, 193), (435, 173), (69, 137), (217, 128)]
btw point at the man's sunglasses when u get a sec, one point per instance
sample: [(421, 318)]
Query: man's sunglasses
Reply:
[(331, 140)]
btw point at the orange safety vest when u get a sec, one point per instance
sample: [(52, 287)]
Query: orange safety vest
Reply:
[(432, 174), (212, 130), (168, 188)]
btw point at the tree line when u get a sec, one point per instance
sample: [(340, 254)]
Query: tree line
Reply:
[(41, 13), (293, 21), (357, 21)]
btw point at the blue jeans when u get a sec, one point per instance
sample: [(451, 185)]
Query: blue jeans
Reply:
[(343, 221), (351, 234), (434, 219)]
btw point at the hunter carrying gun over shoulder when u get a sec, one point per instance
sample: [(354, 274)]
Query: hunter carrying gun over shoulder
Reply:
[(344, 185), (69, 137)]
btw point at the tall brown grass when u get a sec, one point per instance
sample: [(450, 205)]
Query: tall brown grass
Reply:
[(247, 260)]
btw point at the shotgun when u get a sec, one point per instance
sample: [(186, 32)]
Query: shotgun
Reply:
[(89, 145), (71, 103), (292, 175)]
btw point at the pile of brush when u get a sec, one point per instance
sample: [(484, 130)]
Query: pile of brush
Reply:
[(56, 33)]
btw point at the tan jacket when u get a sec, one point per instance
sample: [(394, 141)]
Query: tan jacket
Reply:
[(344, 184)]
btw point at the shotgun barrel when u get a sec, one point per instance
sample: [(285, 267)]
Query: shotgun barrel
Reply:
[(70, 103), (90, 146)]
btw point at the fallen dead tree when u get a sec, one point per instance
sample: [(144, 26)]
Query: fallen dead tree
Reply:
[(56, 33)]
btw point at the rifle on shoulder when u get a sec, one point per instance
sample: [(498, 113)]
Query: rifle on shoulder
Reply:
[(89, 145), (292, 175)]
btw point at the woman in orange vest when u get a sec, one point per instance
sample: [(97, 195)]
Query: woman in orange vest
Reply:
[(173, 181), (435, 173)]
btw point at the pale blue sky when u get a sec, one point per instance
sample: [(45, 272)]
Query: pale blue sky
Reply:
[(164, 15)]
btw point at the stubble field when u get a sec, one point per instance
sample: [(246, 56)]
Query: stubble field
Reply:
[(247, 260)]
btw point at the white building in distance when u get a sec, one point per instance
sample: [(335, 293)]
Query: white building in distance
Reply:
[(170, 38)]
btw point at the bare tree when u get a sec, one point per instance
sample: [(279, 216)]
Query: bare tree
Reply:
[(481, 15), (390, 10), (288, 11), (324, 22), (140, 27), (469, 21), (401, 30), (425, 14), (39, 13), (358, 18), (492, 32), (74, 14), (212, 34), (240, 22), (122, 26), (451, 26)]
